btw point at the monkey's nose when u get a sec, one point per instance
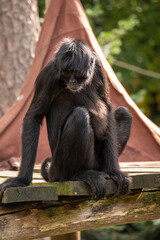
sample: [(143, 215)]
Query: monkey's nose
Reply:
[(73, 80)]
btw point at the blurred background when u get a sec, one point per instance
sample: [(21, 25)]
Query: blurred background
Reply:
[(128, 33)]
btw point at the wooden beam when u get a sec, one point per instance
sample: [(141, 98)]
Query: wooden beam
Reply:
[(30, 194), (49, 191), (80, 215), (7, 174), (140, 164), (61, 218)]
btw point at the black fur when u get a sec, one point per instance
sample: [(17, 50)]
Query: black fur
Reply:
[(85, 135)]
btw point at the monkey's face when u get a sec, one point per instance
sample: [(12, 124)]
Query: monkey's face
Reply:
[(75, 63), (74, 81)]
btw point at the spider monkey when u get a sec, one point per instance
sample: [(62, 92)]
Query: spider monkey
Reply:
[(85, 135)]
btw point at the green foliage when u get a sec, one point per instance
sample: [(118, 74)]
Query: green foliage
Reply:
[(145, 230), (127, 30), (42, 10), (111, 41)]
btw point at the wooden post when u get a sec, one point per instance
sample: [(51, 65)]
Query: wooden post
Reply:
[(69, 236)]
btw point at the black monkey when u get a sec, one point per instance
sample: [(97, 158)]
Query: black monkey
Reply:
[(85, 135)]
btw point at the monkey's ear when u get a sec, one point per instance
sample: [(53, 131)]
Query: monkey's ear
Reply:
[(93, 58)]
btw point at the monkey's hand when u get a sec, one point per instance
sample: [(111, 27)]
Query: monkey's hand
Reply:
[(123, 182), (12, 182)]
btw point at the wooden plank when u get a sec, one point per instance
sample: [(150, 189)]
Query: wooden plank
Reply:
[(130, 167), (30, 194), (140, 164), (46, 191), (16, 164), (78, 188), (141, 169), (145, 181), (33, 180), (123, 165), (7, 174), (77, 216)]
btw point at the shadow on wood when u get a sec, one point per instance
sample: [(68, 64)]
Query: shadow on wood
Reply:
[(69, 236)]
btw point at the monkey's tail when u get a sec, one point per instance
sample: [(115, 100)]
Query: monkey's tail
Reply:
[(45, 168), (95, 179)]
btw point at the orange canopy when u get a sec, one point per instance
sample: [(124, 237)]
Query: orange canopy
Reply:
[(68, 19)]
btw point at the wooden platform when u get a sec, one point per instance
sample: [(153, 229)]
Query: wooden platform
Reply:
[(44, 209)]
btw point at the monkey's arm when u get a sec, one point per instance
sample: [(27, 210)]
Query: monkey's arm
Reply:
[(31, 127)]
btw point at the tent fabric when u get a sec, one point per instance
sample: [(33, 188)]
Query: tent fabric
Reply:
[(67, 19)]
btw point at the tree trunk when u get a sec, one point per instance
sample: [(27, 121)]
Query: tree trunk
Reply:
[(19, 31)]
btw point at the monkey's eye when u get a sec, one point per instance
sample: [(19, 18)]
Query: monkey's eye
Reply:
[(66, 75), (80, 78)]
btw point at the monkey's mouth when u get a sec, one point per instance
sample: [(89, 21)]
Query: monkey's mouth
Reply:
[(74, 88)]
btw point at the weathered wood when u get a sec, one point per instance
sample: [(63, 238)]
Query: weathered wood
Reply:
[(130, 167), (145, 180), (46, 191), (7, 174), (141, 170), (140, 167), (67, 215), (77, 216), (25, 194), (70, 188), (140, 164)]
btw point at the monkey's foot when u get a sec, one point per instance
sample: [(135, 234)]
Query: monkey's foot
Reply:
[(12, 182), (123, 182), (96, 180)]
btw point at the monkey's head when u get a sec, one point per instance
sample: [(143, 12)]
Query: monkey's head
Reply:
[(75, 63)]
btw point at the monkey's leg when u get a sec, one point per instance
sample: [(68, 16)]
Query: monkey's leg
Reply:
[(123, 124), (110, 151), (74, 154), (75, 148)]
